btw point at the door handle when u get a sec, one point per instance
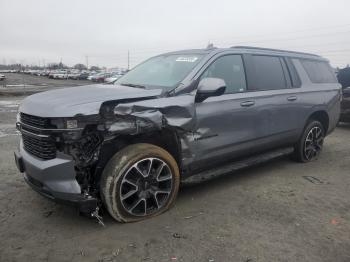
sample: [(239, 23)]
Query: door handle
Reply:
[(247, 103), (292, 98)]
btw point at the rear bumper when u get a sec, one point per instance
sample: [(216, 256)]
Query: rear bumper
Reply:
[(54, 179)]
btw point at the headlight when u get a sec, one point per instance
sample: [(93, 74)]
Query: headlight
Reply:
[(70, 124), (18, 117)]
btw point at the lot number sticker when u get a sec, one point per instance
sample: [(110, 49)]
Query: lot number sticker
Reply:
[(190, 59)]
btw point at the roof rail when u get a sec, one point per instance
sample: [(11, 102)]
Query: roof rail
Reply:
[(270, 49)]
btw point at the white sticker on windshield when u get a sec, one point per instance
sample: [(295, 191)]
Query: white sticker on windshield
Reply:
[(190, 59)]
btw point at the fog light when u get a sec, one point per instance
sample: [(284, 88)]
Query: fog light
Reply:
[(70, 124)]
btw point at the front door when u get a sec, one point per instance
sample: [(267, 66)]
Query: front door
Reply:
[(228, 125)]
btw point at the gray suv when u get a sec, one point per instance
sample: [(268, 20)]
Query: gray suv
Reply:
[(178, 117)]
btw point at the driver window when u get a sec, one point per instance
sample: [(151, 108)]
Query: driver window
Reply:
[(229, 68)]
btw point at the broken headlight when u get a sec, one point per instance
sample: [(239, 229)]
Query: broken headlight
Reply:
[(71, 124)]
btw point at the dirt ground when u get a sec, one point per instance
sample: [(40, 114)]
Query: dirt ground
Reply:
[(279, 211)]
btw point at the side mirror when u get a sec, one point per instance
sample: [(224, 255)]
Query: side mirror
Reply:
[(208, 87)]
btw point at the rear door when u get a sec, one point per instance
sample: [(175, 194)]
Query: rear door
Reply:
[(275, 87)]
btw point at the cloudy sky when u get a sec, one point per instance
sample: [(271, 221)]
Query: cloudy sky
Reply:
[(42, 31)]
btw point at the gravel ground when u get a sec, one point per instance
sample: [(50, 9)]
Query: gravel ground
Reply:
[(279, 211), (21, 84)]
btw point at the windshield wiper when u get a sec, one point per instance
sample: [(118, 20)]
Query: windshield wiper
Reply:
[(133, 85)]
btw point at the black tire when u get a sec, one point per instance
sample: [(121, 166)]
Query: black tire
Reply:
[(306, 150), (124, 167)]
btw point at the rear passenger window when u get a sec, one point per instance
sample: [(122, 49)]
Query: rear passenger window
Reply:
[(268, 73), (229, 68), (318, 72)]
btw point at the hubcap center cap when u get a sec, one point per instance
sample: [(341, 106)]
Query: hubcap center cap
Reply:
[(146, 185)]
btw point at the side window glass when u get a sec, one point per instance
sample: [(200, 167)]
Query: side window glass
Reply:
[(268, 73), (318, 72), (229, 68)]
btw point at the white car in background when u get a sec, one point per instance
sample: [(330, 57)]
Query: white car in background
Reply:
[(60, 75), (91, 76), (2, 77)]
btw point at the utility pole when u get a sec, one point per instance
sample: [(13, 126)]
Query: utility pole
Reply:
[(128, 60)]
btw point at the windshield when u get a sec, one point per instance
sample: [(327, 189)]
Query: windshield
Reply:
[(165, 71)]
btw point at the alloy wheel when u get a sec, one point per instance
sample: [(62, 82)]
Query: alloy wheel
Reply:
[(146, 186), (313, 143)]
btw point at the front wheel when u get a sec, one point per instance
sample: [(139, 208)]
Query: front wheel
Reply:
[(310, 144), (138, 182)]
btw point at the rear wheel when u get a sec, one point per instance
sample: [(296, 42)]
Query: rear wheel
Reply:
[(310, 144), (139, 182)]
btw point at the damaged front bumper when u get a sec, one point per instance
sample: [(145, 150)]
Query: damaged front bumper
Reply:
[(54, 179)]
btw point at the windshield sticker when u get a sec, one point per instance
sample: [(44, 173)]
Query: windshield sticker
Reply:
[(190, 59)]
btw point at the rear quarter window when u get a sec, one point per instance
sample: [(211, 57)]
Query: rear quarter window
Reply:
[(318, 72), (268, 73)]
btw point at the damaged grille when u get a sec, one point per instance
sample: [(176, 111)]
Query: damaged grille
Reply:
[(40, 147), (35, 121)]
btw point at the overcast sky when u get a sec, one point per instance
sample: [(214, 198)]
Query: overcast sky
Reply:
[(43, 31)]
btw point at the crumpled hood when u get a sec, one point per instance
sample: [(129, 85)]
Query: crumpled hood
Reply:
[(82, 100)]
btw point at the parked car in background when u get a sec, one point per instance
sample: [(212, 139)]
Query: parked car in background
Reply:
[(2, 77), (8, 71), (345, 106), (83, 76), (44, 73), (34, 72), (112, 78), (62, 74), (91, 76), (74, 76), (344, 79), (100, 78), (51, 73), (181, 116)]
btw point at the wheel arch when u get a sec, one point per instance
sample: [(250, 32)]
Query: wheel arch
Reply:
[(165, 138), (321, 116)]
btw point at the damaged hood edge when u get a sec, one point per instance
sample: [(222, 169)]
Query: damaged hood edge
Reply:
[(82, 100)]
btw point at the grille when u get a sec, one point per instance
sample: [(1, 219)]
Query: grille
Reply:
[(43, 148), (35, 121)]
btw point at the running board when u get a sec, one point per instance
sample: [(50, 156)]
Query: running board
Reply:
[(237, 165)]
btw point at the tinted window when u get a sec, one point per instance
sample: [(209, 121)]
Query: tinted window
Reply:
[(229, 68), (268, 73), (318, 72)]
